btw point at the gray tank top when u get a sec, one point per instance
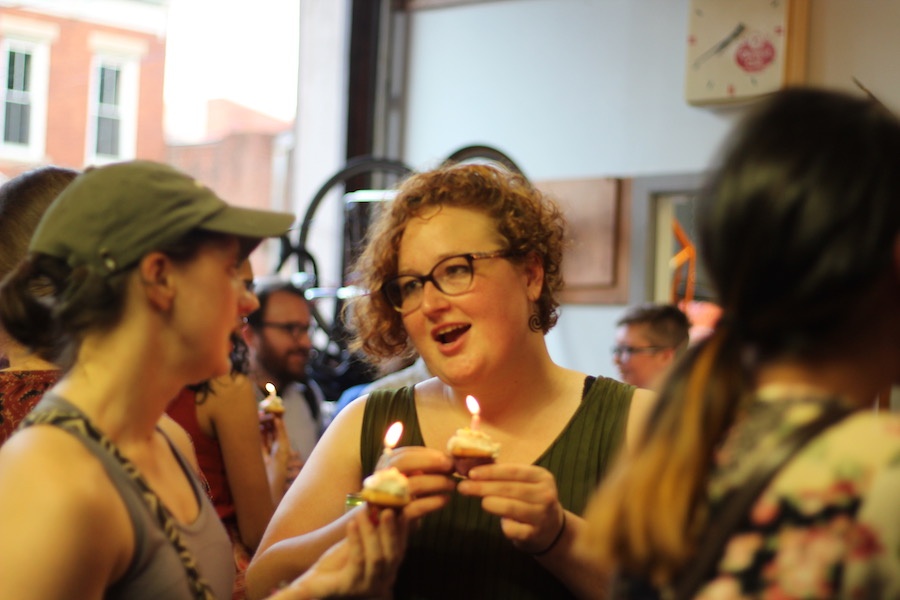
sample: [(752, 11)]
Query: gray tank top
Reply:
[(156, 571)]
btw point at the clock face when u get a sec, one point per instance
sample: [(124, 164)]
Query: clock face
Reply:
[(735, 49)]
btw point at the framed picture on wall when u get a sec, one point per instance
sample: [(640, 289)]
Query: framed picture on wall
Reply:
[(595, 267)]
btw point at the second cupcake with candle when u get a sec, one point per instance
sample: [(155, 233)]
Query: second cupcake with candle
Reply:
[(470, 446)]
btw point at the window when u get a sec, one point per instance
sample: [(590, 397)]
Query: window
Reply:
[(108, 111), (17, 105), (25, 69), (113, 104)]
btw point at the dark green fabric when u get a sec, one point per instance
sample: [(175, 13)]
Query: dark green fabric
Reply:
[(460, 551)]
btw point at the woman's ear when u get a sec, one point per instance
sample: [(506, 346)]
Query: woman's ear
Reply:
[(534, 276), (155, 271)]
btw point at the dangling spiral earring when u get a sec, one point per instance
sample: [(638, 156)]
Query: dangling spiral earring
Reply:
[(534, 322)]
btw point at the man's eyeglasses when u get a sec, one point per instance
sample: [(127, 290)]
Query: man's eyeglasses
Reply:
[(294, 329), (626, 352), (452, 276)]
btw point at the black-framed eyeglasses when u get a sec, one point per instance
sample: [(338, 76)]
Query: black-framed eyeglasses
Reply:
[(452, 276), (293, 328), (626, 352)]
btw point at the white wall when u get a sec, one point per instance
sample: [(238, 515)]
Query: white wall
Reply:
[(587, 88), (568, 88), (320, 126)]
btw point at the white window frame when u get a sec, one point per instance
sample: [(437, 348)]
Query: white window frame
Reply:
[(124, 54), (34, 38)]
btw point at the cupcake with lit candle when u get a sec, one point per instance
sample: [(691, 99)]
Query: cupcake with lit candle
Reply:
[(470, 446), (385, 488), (272, 404), (269, 408)]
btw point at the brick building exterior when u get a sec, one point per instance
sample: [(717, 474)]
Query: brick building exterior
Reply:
[(83, 82)]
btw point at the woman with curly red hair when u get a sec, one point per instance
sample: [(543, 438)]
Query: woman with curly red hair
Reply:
[(464, 268)]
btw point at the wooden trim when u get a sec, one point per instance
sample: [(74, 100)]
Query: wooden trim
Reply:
[(797, 42)]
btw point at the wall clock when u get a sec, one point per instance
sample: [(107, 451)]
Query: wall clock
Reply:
[(738, 50)]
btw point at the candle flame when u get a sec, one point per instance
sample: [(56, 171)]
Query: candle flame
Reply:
[(393, 435), (270, 388), (472, 405)]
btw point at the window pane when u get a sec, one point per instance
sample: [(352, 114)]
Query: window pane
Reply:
[(19, 71), (17, 123), (109, 86), (107, 136), (17, 104)]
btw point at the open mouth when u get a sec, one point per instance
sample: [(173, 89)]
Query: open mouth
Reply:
[(450, 334)]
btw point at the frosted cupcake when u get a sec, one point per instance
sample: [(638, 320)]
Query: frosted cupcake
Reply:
[(272, 404), (470, 448), (386, 488), (269, 408)]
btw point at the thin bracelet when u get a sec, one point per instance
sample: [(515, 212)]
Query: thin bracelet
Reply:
[(555, 540)]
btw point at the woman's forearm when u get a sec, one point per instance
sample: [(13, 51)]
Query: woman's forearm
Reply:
[(572, 563), (285, 560)]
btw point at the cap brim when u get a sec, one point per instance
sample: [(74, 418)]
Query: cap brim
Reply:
[(250, 225), (249, 222)]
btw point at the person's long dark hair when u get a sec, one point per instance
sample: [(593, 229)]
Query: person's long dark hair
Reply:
[(796, 228)]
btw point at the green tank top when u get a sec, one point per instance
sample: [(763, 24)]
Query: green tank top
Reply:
[(460, 551)]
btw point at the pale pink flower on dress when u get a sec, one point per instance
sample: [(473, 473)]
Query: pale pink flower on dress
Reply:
[(805, 561), (740, 551), (765, 510)]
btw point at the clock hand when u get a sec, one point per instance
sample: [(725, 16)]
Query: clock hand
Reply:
[(720, 46)]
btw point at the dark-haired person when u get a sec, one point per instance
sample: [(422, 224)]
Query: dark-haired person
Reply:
[(464, 269), (649, 337), (140, 290), (800, 229), (279, 337), (24, 375)]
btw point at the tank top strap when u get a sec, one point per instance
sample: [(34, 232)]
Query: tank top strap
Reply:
[(384, 407)]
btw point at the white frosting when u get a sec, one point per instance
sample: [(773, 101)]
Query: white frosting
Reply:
[(272, 402), (473, 439), (390, 481)]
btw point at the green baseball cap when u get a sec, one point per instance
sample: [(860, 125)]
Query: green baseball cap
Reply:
[(111, 216)]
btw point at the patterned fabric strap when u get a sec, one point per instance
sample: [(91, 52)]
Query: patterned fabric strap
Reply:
[(80, 426), (737, 504)]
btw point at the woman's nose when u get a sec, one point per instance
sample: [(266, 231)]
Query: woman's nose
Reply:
[(432, 298)]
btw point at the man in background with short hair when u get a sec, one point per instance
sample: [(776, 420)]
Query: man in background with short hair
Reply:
[(649, 337), (278, 336)]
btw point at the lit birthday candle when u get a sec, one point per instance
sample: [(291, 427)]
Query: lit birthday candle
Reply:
[(392, 437), (272, 403), (472, 405)]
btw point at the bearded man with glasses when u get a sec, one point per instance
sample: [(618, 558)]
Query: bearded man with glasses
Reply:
[(278, 335)]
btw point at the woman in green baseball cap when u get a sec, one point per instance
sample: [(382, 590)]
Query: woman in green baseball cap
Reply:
[(132, 286)]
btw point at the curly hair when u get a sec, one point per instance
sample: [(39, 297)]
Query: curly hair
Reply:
[(531, 223)]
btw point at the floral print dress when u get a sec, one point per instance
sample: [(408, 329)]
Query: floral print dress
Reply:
[(828, 525), (20, 391)]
